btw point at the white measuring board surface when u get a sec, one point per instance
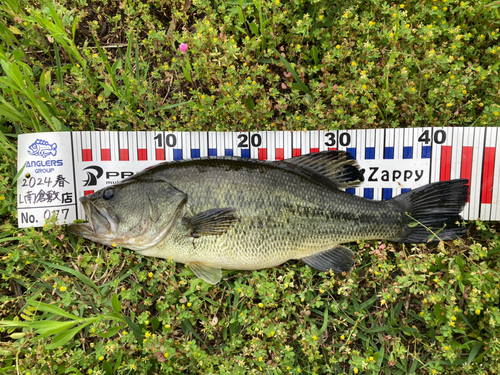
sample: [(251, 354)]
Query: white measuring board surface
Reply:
[(61, 167)]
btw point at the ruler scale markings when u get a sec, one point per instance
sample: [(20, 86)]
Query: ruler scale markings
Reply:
[(314, 141), (476, 173), (105, 147), (360, 156), (407, 150), (95, 145), (194, 140), (495, 212), (271, 145), (388, 154), (185, 145), (212, 144), (262, 153), (379, 154), (176, 145), (113, 143), (488, 171), (225, 144), (287, 145), (142, 148), (123, 146), (398, 155), (86, 146), (226, 147), (133, 147), (449, 153), (241, 144), (296, 144), (369, 154), (305, 143), (280, 145), (203, 138)]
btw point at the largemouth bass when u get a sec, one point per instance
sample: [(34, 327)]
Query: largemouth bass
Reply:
[(241, 214)]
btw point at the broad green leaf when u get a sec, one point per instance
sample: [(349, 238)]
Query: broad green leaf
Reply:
[(45, 307), (62, 338), (254, 28), (49, 327), (473, 352), (111, 332), (116, 303)]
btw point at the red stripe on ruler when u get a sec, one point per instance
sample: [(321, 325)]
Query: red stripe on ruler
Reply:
[(488, 167), (105, 154), (88, 192), (445, 163), (142, 154), (86, 154), (296, 152), (263, 153), (466, 170), (332, 148), (314, 150), (280, 154), (124, 154), (160, 154)]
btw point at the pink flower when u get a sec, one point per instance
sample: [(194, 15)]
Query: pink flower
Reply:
[(183, 47)]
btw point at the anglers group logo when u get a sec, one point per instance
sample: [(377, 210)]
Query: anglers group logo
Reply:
[(42, 148), (93, 173)]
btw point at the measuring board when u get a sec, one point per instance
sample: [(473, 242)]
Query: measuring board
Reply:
[(61, 167)]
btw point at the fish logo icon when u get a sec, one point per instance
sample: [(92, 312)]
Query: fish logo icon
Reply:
[(42, 148), (94, 172)]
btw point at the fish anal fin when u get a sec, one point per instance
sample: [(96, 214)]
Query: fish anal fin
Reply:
[(339, 259), (211, 222), (338, 166), (210, 273)]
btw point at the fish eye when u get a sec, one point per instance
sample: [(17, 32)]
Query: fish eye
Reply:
[(108, 193)]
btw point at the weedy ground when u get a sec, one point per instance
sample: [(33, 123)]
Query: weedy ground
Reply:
[(74, 307)]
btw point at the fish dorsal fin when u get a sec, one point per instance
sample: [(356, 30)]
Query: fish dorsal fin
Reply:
[(210, 273), (339, 259), (337, 166), (211, 222)]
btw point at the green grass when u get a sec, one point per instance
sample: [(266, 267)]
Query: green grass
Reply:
[(75, 307)]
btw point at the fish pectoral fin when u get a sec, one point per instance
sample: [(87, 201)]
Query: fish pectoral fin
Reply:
[(211, 222), (210, 273), (339, 259)]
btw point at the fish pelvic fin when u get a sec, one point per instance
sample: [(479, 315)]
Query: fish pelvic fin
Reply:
[(338, 166), (433, 211), (216, 221), (210, 273), (339, 259)]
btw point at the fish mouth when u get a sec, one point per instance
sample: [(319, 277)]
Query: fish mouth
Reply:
[(100, 225)]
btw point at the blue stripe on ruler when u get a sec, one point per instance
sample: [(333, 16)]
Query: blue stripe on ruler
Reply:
[(195, 153), (405, 190), (228, 152), (369, 154), (389, 153), (177, 154), (212, 152), (386, 194), (245, 153), (408, 152), (426, 152), (352, 152)]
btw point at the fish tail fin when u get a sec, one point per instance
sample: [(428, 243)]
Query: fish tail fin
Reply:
[(434, 211)]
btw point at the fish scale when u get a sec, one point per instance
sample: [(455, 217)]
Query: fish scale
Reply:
[(232, 213)]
